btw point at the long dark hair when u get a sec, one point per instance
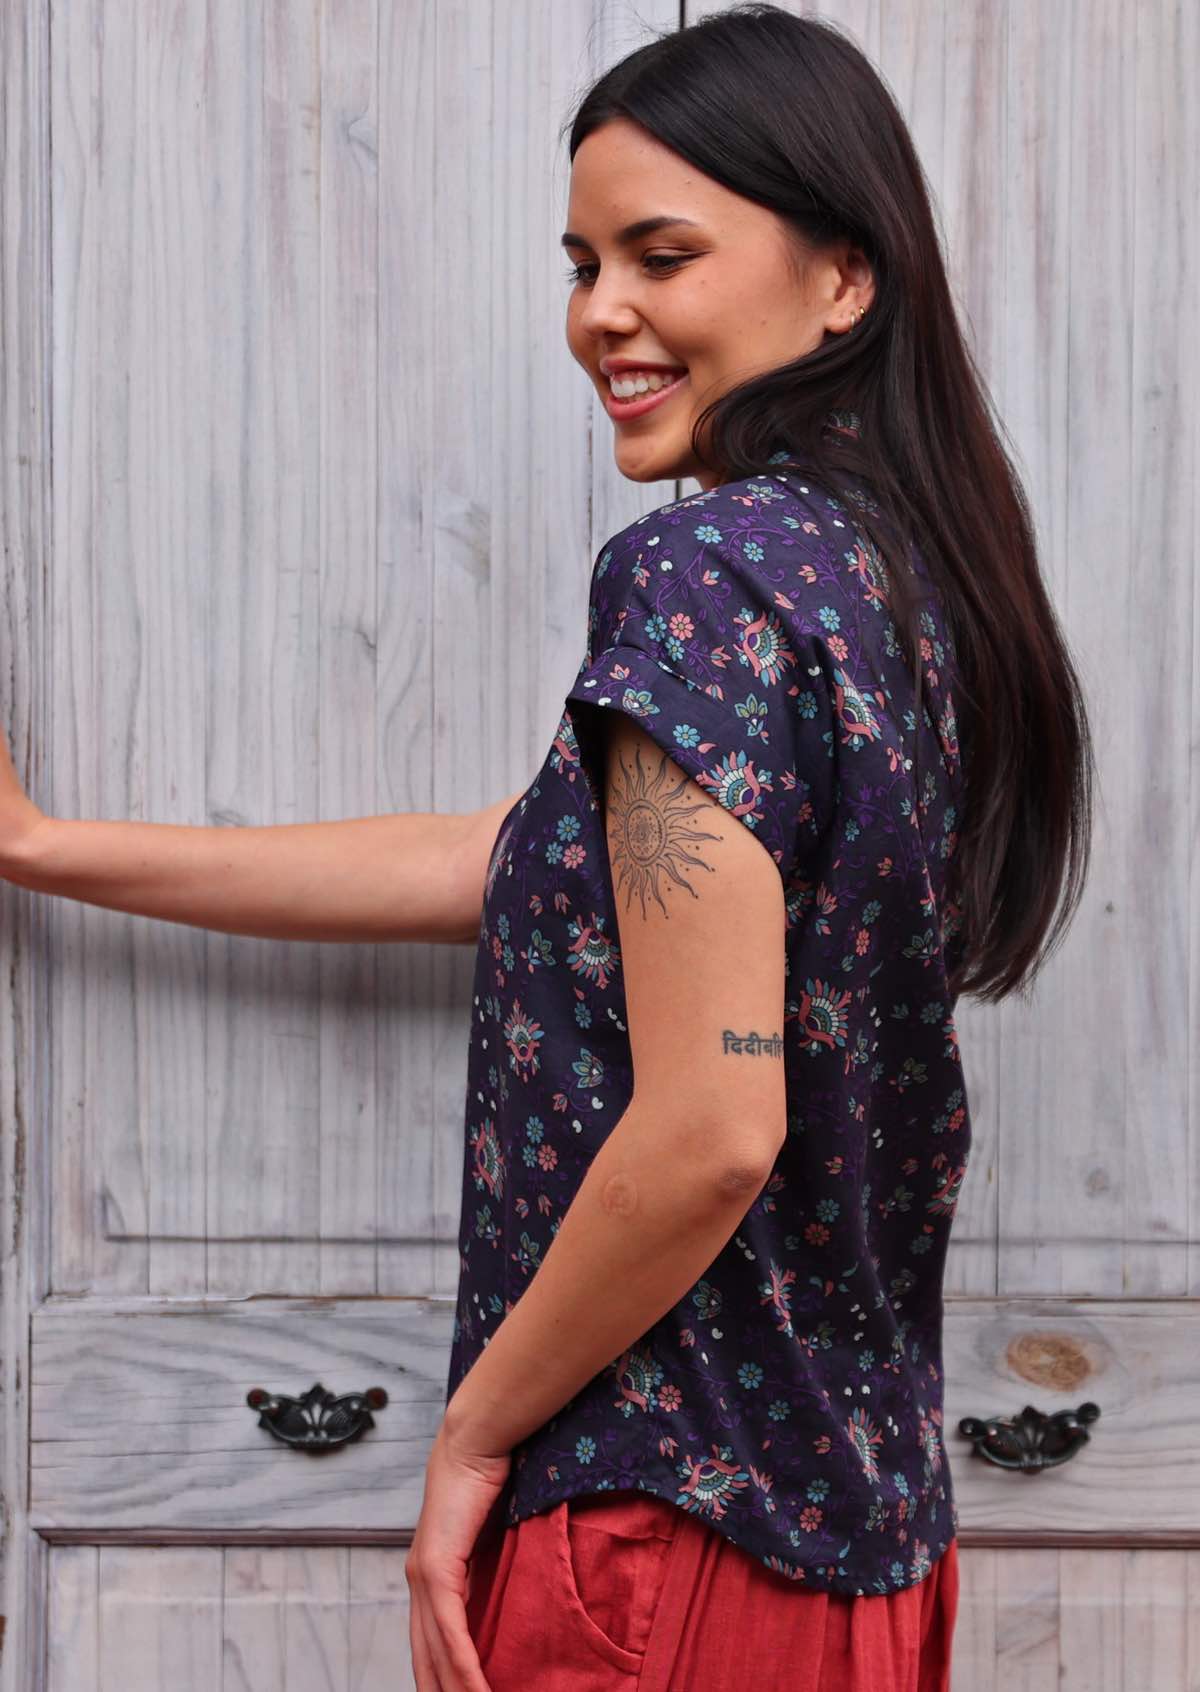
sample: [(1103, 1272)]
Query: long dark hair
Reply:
[(787, 111)]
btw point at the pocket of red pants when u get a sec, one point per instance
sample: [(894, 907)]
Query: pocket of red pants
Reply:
[(615, 1548)]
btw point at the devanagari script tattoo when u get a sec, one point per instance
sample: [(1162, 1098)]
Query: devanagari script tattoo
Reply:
[(757, 1045), (651, 817)]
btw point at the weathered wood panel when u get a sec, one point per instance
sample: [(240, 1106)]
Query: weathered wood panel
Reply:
[(25, 538), (140, 1421), (301, 489), (362, 552), (336, 1620), (247, 1620)]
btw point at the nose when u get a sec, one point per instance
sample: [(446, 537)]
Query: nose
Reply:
[(607, 311)]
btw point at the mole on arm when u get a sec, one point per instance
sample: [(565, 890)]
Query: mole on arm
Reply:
[(619, 1194)]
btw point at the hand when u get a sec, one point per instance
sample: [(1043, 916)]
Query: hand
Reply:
[(19, 816), (460, 1489)]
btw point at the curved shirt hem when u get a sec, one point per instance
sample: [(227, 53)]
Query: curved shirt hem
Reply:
[(808, 1580)]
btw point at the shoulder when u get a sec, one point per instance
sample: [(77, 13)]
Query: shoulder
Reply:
[(794, 509), (780, 540)]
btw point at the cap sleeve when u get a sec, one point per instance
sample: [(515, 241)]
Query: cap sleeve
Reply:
[(711, 639)]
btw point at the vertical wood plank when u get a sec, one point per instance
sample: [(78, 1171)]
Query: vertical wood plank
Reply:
[(254, 1627), (462, 511), (422, 988), (971, 181), (380, 1654), (349, 618), (316, 1608), (1154, 1617), (973, 1652), (1163, 694), (73, 1631), (66, 754), (158, 360), (1015, 1110), (26, 537), (1062, 1195), (1027, 1622), (160, 1618), (95, 609), (259, 264), (1091, 1622)]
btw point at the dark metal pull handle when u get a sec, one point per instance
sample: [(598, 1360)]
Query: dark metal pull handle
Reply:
[(319, 1421), (1031, 1441)]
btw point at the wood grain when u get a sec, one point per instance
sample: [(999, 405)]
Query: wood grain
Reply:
[(300, 495)]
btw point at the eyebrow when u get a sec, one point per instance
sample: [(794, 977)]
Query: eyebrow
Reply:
[(634, 231)]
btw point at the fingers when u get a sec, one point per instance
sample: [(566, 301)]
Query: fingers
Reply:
[(441, 1661), (443, 1652), (424, 1673), (453, 1636)]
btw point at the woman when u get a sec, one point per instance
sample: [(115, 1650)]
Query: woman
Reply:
[(716, 1118), (823, 767)]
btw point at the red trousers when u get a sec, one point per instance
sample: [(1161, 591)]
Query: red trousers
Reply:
[(626, 1592)]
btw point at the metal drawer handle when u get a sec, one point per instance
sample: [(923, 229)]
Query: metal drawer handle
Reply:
[(319, 1421), (1031, 1441)]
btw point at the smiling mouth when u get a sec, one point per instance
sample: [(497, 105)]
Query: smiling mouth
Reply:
[(638, 404)]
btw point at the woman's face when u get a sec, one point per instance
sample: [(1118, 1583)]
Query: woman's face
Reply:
[(715, 297)]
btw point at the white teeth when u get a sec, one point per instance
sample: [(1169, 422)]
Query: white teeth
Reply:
[(633, 382)]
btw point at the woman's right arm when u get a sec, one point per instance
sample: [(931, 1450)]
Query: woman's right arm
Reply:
[(413, 876)]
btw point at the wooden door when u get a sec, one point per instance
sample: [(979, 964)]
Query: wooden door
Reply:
[(1062, 146), (301, 490), (302, 514)]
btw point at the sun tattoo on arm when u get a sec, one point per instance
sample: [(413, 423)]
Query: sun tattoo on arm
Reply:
[(651, 829)]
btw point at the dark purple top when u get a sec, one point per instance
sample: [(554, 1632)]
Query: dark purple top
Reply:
[(793, 1397)]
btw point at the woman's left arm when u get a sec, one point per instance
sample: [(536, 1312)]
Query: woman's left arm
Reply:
[(702, 930), (702, 935)]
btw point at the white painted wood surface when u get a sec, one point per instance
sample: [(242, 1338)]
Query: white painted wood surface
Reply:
[(140, 1421), (25, 531), (245, 1620), (334, 1620), (301, 492)]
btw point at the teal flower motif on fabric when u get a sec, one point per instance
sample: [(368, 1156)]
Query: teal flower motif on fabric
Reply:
[(639, 702), (754, 713)]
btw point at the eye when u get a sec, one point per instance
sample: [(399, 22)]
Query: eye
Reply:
[(661, 262)]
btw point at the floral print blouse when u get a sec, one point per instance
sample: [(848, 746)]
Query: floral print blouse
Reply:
[(793, 1398)]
